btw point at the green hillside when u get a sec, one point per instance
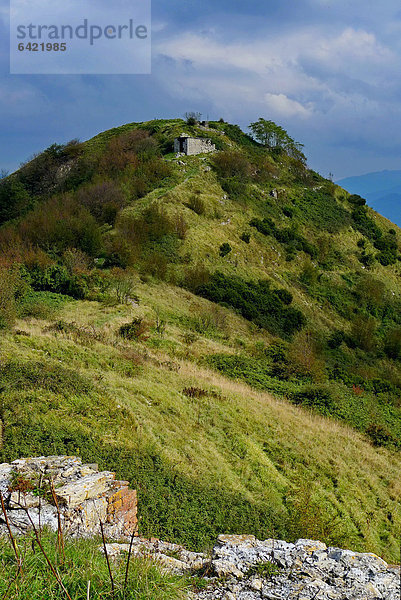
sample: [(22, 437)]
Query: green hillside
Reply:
[(224, 330)]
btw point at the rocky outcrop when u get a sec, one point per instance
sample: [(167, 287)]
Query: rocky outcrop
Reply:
[(244, 568), (85, 497), (248, 569)]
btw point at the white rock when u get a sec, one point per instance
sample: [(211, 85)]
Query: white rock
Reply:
[(90, 486)]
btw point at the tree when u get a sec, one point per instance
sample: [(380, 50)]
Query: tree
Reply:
[(14, 199), (192, 117), (274, 137)]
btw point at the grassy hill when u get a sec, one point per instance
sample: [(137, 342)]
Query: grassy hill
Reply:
[(223, 330)]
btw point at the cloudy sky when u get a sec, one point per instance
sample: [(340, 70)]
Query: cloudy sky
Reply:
[(329, 71)]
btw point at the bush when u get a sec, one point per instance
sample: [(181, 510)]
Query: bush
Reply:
[(316, 397), (225, 249), (156, 265), (103, 200), (10, 284), (363, 332), (197, 204), (152, 225), (235, 188), (287, 236), (62, 223), (15, 201), (392, 344), (336, 339), (310, 274), (364, 224), (245, 237), (256, 302), (196, 277), (379, 435), (56, 278), (137, 329), (123, 285), (356, 200), (41, 305), (209, 321), (231, 164)]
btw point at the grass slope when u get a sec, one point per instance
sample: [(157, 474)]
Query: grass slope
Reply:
[(232, 459), (223, 419)]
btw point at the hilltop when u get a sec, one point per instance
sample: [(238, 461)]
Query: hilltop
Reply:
[(223, 329)]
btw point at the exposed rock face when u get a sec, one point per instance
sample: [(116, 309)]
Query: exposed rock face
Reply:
[(170, 556), (244, 568), (85, 497), (305, 570)]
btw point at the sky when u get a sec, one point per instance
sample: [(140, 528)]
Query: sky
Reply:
[(328, 71)]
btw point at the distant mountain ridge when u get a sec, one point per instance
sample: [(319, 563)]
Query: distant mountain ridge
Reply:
[(382, 190)]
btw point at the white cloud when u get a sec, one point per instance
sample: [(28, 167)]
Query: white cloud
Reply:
[(296, 74), (281, 105)]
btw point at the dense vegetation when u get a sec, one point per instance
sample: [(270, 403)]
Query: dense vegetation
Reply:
[(151, 305)]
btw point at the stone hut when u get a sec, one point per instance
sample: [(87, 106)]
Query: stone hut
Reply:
[(188, 145)]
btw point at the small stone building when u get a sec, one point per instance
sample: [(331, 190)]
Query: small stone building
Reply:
[(188, 145)]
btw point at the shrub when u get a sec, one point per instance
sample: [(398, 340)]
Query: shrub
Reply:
[(76, 261), (364, 224), (225, 249), (156, 265), (379, 434), (151, 225), (197, 204), (180, 226), (231, 163), (311, 517), (56, 278), (392, 344), (368, 260), (235, 188), (9, 286), (336, 339), (284, 296), (363, 332), (209, 321), (15, 201), (137, 329), (245, 237), (103, 200), (309, 275), (356, 200), (123, 285), (194, 392), (292, 240), (315, 396), (62, 223), (265, 570), (41, 305), (305, 356), (196, 277), (256, 302)]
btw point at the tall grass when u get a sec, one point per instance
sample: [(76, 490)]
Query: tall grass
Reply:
[(83, 573)]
